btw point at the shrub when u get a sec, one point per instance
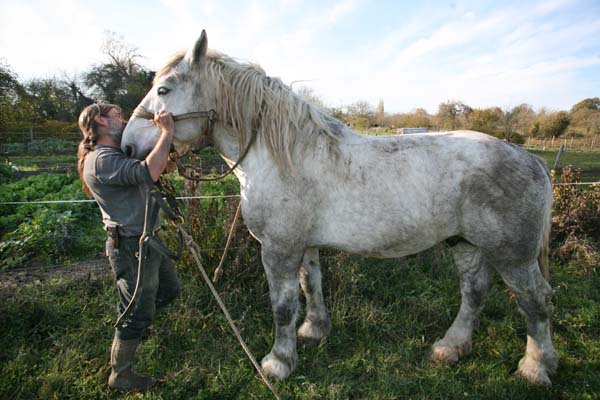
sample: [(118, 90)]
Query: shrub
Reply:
[(7, 173), (208, 221), (61, 129), (576, 219)]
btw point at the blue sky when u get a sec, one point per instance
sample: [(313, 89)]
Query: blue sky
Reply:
[(409, 54)]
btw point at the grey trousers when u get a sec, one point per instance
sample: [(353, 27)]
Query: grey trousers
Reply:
[(160, 287)]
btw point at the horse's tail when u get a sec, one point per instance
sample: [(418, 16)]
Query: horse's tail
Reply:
[(543, 257)]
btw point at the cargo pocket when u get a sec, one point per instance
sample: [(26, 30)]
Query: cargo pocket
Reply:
[(119, 260)]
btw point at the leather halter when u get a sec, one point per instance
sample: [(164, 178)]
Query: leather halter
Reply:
[(211, 114)]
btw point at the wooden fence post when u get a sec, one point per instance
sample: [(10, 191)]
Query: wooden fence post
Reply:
[(560, 151)]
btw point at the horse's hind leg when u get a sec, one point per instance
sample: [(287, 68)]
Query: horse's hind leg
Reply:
[(533, 296), (316, 324), (474, 283), (282, 270)]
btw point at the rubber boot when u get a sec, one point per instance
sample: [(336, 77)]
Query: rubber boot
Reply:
[(122, 376)]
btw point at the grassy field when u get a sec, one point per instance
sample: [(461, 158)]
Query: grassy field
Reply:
[(588, 162), (56, 332), (386, 313)]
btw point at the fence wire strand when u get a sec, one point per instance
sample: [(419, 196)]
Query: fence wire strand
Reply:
[(93, 201)]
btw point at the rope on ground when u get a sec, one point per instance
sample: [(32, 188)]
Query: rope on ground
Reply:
[(193, 247)]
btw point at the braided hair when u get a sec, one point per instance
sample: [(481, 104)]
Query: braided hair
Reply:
[(89, 130)]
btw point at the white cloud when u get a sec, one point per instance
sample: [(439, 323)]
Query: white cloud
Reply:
[(548, 6), (340, 10), (39, 39), (510, 53)]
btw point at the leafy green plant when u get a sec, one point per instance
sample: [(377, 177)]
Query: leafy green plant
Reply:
[(7, 173), (47, 233), (43, 146)]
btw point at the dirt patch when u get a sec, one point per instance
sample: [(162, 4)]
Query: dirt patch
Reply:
[(87, 270)]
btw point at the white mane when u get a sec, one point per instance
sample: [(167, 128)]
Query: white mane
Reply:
[(248, 99)]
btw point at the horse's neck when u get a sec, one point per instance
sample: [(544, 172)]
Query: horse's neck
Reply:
[(227, 144), (258, 159)]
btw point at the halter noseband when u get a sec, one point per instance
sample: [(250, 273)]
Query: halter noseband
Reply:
[(211, 114)]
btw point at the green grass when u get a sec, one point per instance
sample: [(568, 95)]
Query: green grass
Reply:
[(386, 313), (588, 162), (55, 335)]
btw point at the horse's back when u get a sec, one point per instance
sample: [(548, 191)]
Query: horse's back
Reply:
[(400, 194)]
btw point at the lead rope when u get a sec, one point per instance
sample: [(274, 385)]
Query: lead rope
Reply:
[(194, 250), (219, 270), (170, 208)]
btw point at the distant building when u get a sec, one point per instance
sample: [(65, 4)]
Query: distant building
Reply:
[(408, 131)]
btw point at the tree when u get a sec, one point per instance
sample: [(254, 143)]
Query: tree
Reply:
[(453, 114), (585, 115), (9, 94), (51, 100), (122, 80), (380, 113), (592, 103), (485, 120), (310, 96), (361, 114), (360, 108), (554, 124), (523, 117), (338, 113)]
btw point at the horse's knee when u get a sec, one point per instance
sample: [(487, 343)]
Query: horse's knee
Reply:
[(284, 313)]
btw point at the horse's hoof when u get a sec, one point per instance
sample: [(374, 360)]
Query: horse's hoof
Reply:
[(445, 353), (273, 367), (534, 371), (310, 334)]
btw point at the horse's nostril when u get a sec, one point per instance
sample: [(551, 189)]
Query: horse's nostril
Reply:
[(129, 150)]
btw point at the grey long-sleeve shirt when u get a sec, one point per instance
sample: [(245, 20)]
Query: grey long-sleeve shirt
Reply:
[(119, 185)]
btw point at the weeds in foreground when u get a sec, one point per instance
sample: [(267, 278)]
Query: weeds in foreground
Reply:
[(576, 219), (386, 314)]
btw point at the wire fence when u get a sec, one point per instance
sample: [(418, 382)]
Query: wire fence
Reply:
[(93, 201), (213, 229), (66, 201), (571, 143)]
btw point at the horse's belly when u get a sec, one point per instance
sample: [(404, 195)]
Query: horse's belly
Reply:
[(383, 238), (387, 251)]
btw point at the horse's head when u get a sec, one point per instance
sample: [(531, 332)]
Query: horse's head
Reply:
[(176, 88)]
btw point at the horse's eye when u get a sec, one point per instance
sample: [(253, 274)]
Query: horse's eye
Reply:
[(163, 90)]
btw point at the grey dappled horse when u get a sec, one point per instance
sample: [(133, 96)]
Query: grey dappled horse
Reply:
[(308, 181)]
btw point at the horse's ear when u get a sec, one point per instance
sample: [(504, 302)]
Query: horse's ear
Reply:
[(198, 52)]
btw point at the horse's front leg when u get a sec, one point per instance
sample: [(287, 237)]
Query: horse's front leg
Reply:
[(317, 323), (282, 270)]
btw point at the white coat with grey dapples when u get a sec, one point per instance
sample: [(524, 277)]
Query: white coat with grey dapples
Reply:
[(308, 181)]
